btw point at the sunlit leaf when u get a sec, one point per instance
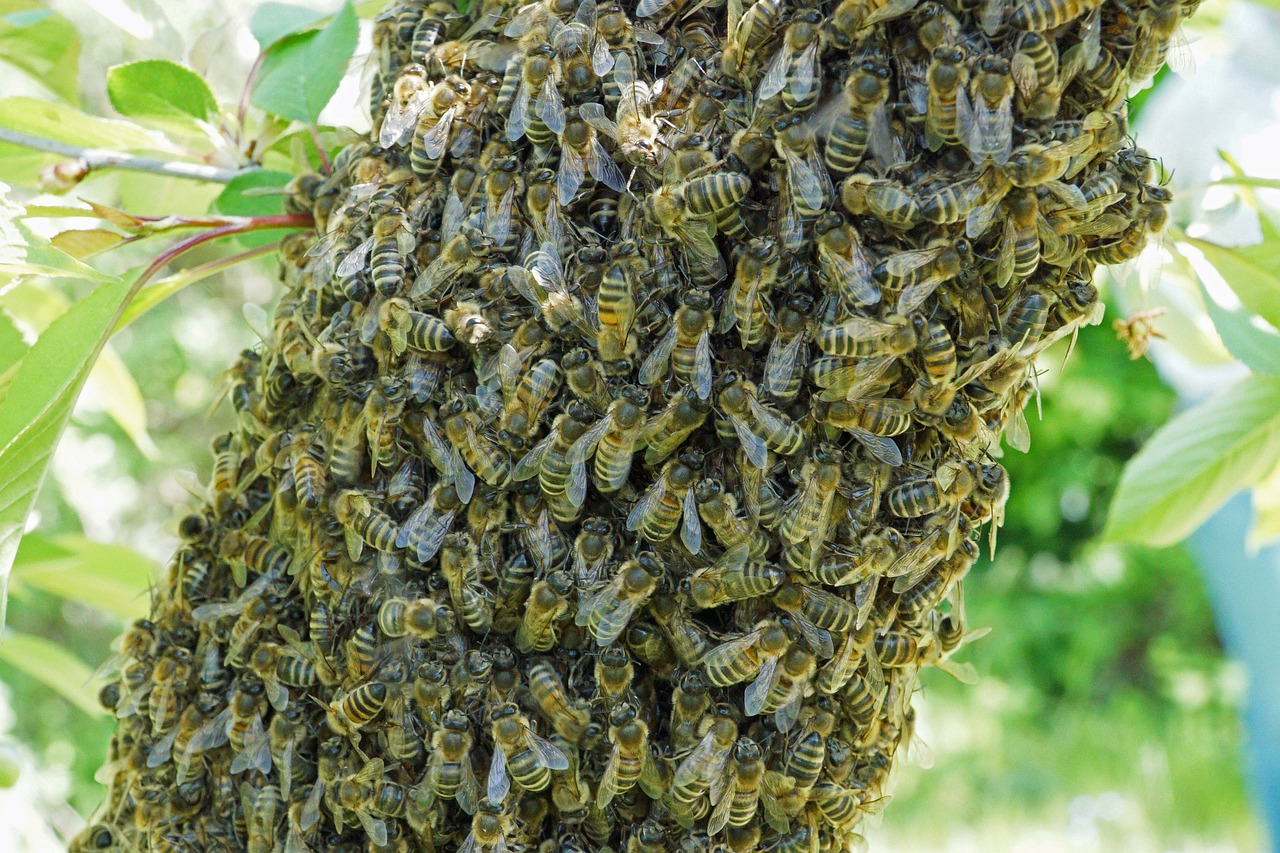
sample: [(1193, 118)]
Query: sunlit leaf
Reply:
[(45, 45), (12, 345), (85, 242), (254, 194), (1245, 336), (1253, 272), (39, 403), (160, 92), (1192, 464), (54, 667), (271, 22), (108, 577), (301, 72), (62, 123), (23, 253), (113, 387)]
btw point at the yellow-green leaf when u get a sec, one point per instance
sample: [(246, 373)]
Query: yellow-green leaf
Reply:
[(54, 667), (85, 242), (1252, 272), (1192, 464), (108, 577)]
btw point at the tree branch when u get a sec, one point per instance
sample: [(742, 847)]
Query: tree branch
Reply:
[(96, 158)]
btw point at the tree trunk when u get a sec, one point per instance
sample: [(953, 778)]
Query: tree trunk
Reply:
[(629, 424)]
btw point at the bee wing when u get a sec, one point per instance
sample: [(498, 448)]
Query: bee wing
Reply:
[(770, 421), (890, 10), (594, 115), (509, 369), (499, 781), (918, 561), (530, 462), (469, 843), (551, 106), (468, 795), (817, 638), (654, 366), (883, 142), (436, 139), (788, 714), (853, 275), (1017, 431), (804, 77), (525, 19), (397, 125), (161, 750), (373, 827), (518, 118), (753, 445), (357, 259), (809, 180), (652, 497), (915, 294), (902, 264), (965, 673), (604, 169), (609, 781), (1006, 254), (570, 174), (548, 754), (702, 375), (277, 695), (881, 447), (757, 691), (775, 76), (580, 451), (601, 58), (540, 539), (649, 8), (781, 363), (310, 814), (995, 129), (497, 217), (723, 803), (691, 526)]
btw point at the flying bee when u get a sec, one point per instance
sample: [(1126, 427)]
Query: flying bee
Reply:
[(613, 440), (794, 72), (451, 774), (616, 308), (581, 152), (754, 278), (687, 345), (985, 120), (758, 427), (630, 761), (889, 201), (633, 127), (519, 755), (464, 430), (566, 715), (862, 122), (409, 97), (844, 262), (808, 183), (1162, 39), (548, 603), (669, 502), (607, 612), (916, 273), (947, 81), (538, 94), (747, 35), (460, 565), (789, 350), (461, 255)]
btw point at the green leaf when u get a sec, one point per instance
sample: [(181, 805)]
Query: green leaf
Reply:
[(113, 387), (1253, 272), (301, 72), (254, 194), (110, 578), (62, 123), (54, 667), (1245, 335), (164, 93), (39, 403), (45, 45), (273, 21), (12, 344), (1247, 181), (1196, 461), (23, 253)]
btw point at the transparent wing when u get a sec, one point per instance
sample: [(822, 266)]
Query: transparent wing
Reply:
[(499, 781), (702, 375), (753, 445), (604, 169), (594, 115), (570, 174), (654, 367), (691, 526), (757, 692), (652, 498), (881, 447)]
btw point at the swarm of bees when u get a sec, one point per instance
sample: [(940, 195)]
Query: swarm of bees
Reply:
[(629, 423)]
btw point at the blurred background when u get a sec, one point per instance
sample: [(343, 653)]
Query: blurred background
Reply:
[(1107, 716)]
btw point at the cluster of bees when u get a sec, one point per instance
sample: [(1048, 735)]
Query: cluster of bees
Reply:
[(628, 423)]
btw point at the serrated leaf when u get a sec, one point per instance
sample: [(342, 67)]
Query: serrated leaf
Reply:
[(271, 22), (85, 242), (1245, 335), (24, 253), (162, 92), (1192, 464), (38, 406), (107, 577), (54, 667), (1252, 272), (62, 123), (45, 45), (301, 72)]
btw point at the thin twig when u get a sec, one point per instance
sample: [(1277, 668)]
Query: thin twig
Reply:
[(96, 158)]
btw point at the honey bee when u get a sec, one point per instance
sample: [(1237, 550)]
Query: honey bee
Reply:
[(633, 127), (852, 17), (808, 183), (410, 96), (669, 503), (607, 612), (461, 255), (757, 427), (794, 72), (363, 524), (702, 769), (616, 308), (489, 829), (613, 440), (581, 152), (245, 732), (1041, 15), (585, 377), (666, 431), (254, 608), (887, 200), (592, 549), (985, 120), (789, 350), (733, 577), (460, 565), (684, 636), (687, 345), (566, 716), (520, 755), (844, 262), (630, 762), (862, 122), (918, 272), (720, 511), (485, 457), (451, 774), (747, 35), (424, 531), (670, 208), (754, 277), (537, 95)]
